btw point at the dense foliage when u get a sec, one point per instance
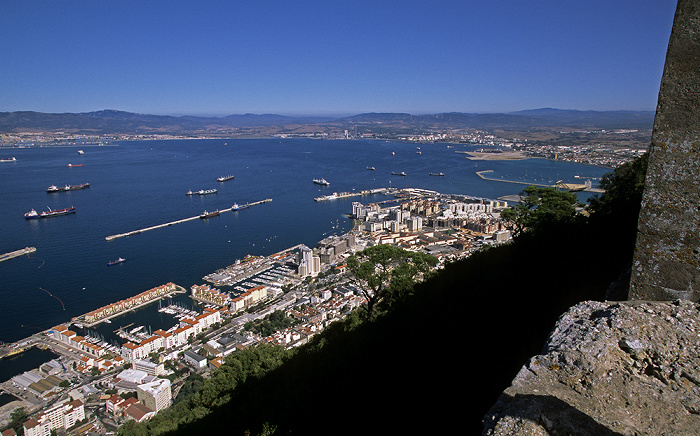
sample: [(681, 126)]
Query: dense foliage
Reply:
[(540, 208), (385, 273), (239, 368), (270, 324)]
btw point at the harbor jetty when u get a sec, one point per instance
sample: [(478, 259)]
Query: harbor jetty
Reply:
[(159, 226), (17, 253), (566, 186)]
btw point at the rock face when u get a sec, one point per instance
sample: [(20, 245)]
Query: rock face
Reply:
[(612, 368)]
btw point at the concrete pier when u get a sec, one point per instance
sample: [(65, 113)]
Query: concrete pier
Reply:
[(17, 253), (571, 186), (134, 232)]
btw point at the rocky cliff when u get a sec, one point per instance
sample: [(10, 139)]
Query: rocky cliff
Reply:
[(612, 368)]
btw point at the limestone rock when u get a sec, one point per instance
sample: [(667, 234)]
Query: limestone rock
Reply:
[(609, 368)]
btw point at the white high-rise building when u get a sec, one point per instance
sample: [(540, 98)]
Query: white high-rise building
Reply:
[(156, 395), (308, 263)]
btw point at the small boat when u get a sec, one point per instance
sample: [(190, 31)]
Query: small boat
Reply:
[(437, 174), (402, 173), (54, 188), (81, 152), (10, 159), (370, 168), (114, 262), (418, 152), (321, 182), (206, 214), (75, 165), (393, 154), (224, 178), (50, 213)]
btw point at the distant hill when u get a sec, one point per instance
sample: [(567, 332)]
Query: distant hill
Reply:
[(546, 117), (119, 122)]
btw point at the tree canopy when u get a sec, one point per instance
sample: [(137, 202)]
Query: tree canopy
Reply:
[(540, 208), (383, 272)]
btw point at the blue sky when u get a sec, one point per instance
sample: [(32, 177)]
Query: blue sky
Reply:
[(331, 57)]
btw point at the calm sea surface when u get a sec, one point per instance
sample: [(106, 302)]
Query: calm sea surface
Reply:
[(140, 184)]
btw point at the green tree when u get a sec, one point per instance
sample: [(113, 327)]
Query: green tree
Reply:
[(17, 418), (623, 190), (384, 272), (540, 208)]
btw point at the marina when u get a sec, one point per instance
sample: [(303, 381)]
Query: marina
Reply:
[(160, 226)]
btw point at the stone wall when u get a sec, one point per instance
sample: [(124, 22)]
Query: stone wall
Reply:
[(666, 262)]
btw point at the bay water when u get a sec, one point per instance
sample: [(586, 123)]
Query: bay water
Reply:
[(137, 184)]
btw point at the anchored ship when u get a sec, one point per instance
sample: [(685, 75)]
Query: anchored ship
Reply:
[(437, 174), (206, 214), (49, 213), (321, 182), (402, 173), (54, 188), (114, 262), (202, 192), (10, 159), (224, 178), (75, 165), (236, 206)]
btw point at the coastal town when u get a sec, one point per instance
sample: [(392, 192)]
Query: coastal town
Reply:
[(608, 148), (94, 385)]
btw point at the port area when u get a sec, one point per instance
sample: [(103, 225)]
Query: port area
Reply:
[(106, 313), (159, 226), (17, 253), (574, 187)]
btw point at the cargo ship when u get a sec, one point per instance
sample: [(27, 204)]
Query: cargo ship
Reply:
[(115, 262), (9, 159), (321, 182), (54, 188), (202, 192), (49, 213), (206, 214), (224, 178), (75, 165), (236, 207)]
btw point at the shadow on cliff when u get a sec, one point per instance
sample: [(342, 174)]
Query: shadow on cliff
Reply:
[(557, 416), (439, 359)]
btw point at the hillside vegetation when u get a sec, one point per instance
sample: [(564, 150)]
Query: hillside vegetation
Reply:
[(441, 356)]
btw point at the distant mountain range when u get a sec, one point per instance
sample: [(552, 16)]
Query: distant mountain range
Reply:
[(119, 122)]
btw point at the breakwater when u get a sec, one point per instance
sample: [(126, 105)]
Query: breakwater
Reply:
[(159, 226), (17, 253), (567, 186)]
